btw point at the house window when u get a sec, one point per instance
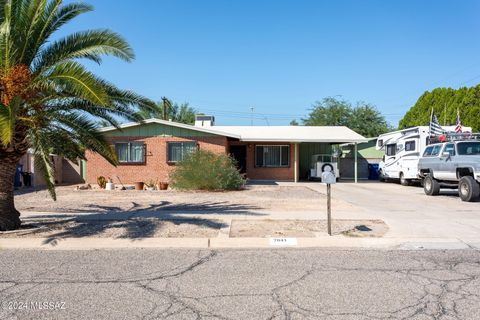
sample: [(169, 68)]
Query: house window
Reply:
[(410, 146), (177, 151), (130, 152), (272, 156), (391, 149)]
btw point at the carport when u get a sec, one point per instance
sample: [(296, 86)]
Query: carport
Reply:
[(305, 141)]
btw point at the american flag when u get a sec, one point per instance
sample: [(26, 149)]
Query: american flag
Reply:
[(435, 128), (458, 127)]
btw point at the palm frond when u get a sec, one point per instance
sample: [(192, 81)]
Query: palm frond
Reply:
[(7, 121), (41, 149), (72, 78), (54, 16), (86, 132), (88, 44)]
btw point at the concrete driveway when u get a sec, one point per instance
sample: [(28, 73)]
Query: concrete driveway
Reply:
[(407, 210)]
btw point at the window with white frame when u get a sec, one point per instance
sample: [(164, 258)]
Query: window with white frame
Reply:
[(130, 152), (177, 151), (272, 156)]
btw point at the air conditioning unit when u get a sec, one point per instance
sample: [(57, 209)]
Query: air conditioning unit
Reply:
[(322, 161), (204, 121)]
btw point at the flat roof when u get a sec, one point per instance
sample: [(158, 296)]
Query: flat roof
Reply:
[(325, 134)]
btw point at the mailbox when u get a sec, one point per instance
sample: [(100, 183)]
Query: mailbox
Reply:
[(328, 177)]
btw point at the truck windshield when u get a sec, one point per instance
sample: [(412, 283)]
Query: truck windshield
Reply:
[(468, 148)]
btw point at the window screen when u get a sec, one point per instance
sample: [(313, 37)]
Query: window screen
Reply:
[(177, 151), (272, 156), (130, 152)]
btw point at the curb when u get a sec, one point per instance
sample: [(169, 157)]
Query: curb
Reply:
[(338, 242)]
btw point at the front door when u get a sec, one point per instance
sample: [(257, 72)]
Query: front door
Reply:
[(239, 153)]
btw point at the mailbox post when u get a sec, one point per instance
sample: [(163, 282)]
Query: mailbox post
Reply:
[(329, 178)]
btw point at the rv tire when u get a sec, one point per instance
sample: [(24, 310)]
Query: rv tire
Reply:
[(431, 186), (403, 181)]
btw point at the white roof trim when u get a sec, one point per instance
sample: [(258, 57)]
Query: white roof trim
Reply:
[(170, 123), (291, 134)]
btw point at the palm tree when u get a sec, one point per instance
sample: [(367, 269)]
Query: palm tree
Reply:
[(48, 99)]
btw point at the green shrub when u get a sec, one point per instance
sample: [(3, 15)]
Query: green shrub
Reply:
[(205, 170)]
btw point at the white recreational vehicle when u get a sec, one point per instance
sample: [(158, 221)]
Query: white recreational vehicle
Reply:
[(403, 149)]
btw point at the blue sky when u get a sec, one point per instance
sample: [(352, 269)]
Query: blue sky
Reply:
[(279, 56)]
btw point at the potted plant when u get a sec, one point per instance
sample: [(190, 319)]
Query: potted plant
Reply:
[(139, 186), (150, 185), (109, 185), (163, 185)]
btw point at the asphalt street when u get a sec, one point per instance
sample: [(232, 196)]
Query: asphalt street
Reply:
[(240, 284)]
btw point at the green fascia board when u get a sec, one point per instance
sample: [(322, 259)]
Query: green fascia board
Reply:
[(155, 129)]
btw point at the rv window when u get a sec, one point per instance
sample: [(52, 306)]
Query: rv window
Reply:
[(391, 149), (410, 146), (436, 150), (380, 143), (428, 152)]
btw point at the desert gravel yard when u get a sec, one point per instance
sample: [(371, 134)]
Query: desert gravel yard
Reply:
[(176, 214), (306, 228), (256, 197)]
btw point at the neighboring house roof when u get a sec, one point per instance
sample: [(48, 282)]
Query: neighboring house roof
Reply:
[(327, 134)]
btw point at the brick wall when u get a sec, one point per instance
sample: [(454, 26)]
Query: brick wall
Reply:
[(155, 167), (262, 173)]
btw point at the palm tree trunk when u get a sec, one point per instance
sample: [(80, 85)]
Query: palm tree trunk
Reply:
[(9, 216)]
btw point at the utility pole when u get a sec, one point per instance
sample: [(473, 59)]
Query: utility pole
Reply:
[(251, 121), (165, 104)]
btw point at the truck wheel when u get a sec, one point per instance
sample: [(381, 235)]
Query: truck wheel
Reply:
[(403, 181), (431, 186), (468, 189)]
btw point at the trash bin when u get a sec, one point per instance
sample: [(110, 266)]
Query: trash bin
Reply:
[(373, 171), (18, 174), (27, 179)]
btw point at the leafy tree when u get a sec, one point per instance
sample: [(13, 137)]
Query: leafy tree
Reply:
[(329, 112), (446, 102), (294, 122), (364, 119), (48, 99), (176, 112), (368, 121)]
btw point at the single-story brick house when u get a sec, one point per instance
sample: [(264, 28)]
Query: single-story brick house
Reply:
[(150, 149)]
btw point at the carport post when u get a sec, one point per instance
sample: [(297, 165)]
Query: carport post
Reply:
[(356, 162), (295, 164)]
